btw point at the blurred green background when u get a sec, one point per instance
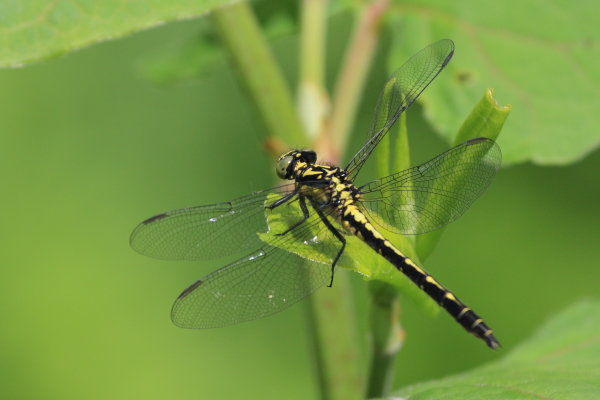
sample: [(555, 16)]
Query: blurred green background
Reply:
[(90, 149)]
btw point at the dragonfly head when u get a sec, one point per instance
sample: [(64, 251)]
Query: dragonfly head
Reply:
[(293, 161)]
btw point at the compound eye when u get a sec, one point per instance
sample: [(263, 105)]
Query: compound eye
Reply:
[(283, 166)]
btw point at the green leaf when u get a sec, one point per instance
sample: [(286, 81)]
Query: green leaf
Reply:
[(561, 361), (540, 56), (357, 257), (33, 30), (486, 120)]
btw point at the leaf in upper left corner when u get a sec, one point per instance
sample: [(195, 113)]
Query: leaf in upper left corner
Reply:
[(34, 30)]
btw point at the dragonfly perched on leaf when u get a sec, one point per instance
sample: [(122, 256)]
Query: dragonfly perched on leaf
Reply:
[(327, 208)]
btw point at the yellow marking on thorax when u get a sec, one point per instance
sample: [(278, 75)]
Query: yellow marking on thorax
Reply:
[(345, 197), (349, 202), (300, 166), (341, 188), (311, 172)]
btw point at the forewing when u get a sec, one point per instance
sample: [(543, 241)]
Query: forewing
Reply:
[(432, 195), (264, 282), (205, 232), (401, 89)]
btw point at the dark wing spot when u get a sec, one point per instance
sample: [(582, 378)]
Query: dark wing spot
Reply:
[(190, 289), (447, 60), (477, 140), (155, 218)]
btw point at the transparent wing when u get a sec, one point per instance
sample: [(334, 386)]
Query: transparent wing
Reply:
[(401, 89), (264, 282), (432, 195), (205, 232)]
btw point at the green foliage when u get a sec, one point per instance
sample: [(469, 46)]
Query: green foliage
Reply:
[(34, 30), (541, 57), (547, 69), (561, 361)]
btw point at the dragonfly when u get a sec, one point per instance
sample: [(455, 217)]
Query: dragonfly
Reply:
[(322, 208)]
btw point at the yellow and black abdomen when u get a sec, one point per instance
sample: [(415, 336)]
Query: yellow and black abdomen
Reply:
[(354, 220)]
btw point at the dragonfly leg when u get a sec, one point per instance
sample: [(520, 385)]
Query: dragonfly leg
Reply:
[(282, 200), (339, 236), (302, 201)]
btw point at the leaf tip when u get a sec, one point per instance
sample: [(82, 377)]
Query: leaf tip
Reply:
[(489, 96)]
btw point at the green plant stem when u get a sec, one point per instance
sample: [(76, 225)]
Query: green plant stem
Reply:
[(313, 99), (387, 337), (254, 63), (312, 41), (334, 338), (355, 67)]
